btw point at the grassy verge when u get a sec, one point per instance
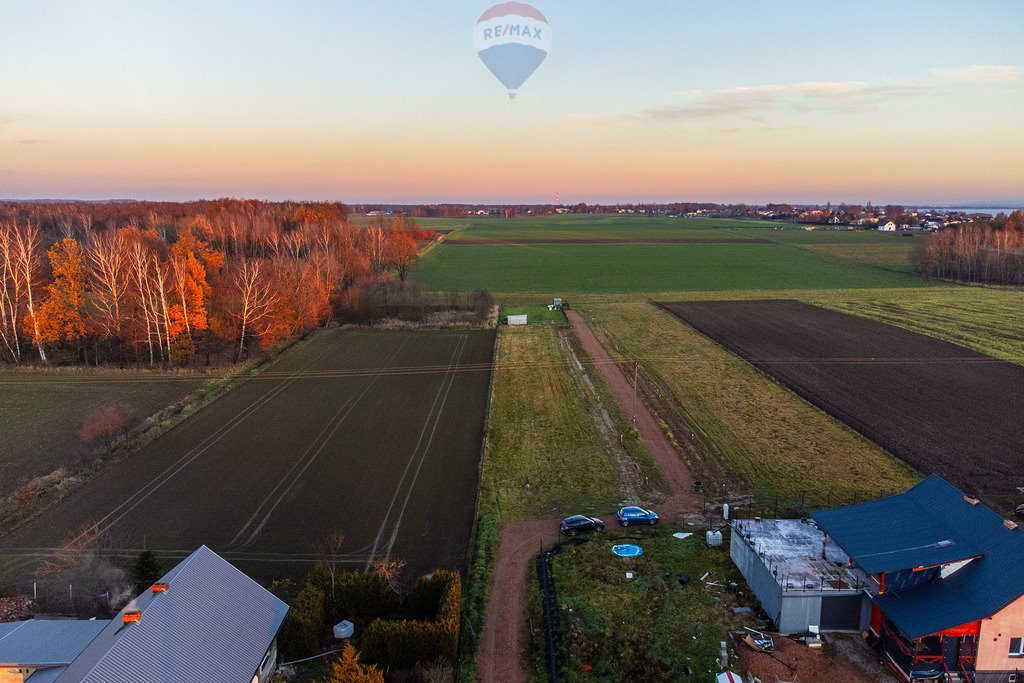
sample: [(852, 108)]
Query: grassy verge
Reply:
[(485, 550), (789, 453), (649, 628), (545, 457)]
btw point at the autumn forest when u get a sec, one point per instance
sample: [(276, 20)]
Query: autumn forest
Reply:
[(179, 284)]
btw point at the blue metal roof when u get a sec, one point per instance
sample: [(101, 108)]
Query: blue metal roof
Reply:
[(904, 531), (47, 642), (212, 620)]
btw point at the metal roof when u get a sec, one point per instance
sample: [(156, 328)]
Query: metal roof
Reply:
[(934, 509), (213, 620), (47, 642), (903, 531)]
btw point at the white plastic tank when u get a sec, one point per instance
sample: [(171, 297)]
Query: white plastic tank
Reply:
[(725, 511), (714, 537)]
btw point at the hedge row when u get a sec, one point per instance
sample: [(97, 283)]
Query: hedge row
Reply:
[(402, 643)]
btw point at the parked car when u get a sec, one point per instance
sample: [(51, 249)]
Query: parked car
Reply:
[(578, 524), (632, 514)]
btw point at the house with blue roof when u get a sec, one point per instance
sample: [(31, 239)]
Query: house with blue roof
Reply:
[(203, 621), (946, 581)]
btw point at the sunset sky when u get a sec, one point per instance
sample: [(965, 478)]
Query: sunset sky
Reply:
[(911, 102)]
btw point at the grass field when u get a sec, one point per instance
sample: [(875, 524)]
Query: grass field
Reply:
[(650, 628), (987, 320), (535, 313), (787, 452), (376, 434), (586, 227), (42, 412), (541, 433), (596, 268)]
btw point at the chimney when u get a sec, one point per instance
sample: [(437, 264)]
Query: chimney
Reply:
[(1010, 524), (972, 501), (159, 588), (132, 617)]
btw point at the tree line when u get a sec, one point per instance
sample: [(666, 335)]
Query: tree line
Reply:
[(123, 282), (990, 252)]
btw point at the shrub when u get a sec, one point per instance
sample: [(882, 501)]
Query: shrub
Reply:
[(146, 570), (402, 643), (106, 422), (347, 669), (303, 628)]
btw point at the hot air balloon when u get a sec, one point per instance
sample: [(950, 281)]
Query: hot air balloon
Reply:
[(512, 39)]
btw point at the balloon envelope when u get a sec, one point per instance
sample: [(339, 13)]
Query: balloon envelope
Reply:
[(512, 39)]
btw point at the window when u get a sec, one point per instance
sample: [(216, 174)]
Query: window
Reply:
[(1017, 647)]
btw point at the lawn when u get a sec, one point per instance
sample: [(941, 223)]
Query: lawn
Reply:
[(785, 451), (573, 268), (650, 628), (42, 412), (544, 457), (535, 313)]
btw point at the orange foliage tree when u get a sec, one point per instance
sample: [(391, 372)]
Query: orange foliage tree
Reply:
[(347, 669), (60, 316)]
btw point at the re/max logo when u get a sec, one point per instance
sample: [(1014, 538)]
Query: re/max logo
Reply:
[(512, 30)]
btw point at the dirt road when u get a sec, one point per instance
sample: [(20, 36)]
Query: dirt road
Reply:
[(503, 650)]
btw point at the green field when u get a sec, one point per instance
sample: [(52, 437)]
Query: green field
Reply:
[(545, 457), (587, 226), (650, 628), (42, 412), (575, 268)]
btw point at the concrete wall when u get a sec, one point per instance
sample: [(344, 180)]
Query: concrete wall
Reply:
[(994, 640), (767, 590)]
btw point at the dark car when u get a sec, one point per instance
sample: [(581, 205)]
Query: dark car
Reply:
[(578, 524), (632, 514)]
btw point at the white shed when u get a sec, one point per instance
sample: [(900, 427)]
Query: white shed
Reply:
[(517, 319)]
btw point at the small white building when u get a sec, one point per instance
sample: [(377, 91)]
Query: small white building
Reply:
[(888, 226)]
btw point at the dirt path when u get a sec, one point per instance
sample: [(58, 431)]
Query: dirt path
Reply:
[(504, 648)]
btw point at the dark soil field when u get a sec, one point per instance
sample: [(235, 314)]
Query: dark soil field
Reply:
[(375, 434), (939, 407), (42, 413)]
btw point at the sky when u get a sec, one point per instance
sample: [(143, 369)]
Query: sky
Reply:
[(647, 101)]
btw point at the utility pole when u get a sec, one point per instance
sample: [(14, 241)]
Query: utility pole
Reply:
[(636, 373)]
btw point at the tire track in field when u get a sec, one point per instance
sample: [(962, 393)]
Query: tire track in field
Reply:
[(142, 493), (312, 453), (443, 390)]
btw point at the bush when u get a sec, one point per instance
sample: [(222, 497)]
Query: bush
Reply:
[(303, 629), (347, 669), (106, 422), (402, 643)]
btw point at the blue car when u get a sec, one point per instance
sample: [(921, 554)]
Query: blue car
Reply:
[(632, 514)]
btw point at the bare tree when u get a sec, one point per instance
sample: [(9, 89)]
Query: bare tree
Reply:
[(11, 299), (256, 299), (108, 278), (27, 268)]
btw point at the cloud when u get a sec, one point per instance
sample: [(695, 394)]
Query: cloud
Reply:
[(757, 103), (981, 73)]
